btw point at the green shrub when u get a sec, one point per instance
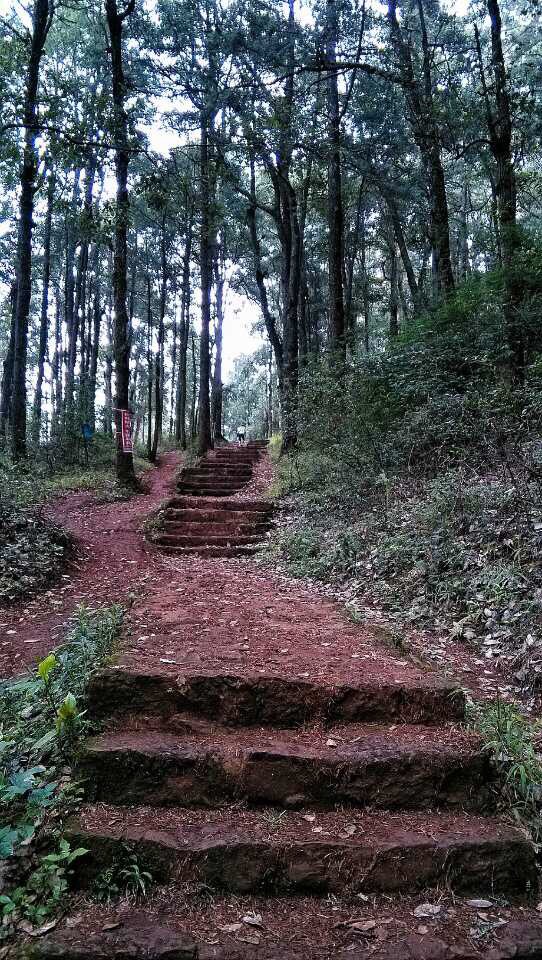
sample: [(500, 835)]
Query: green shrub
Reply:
[(42, 722)]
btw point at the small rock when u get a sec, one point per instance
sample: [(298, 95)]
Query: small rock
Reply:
[(428, 910), (253, 919)]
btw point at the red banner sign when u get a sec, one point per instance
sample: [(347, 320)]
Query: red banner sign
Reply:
[(126, 428)]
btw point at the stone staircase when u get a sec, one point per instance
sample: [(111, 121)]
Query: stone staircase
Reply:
[(204, 520), (238, 786), (295, 787)]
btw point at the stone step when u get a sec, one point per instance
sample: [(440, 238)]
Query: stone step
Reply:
[(416, 768), (214, 469), (255, 698), (220, 553), (208, 490), (248, 461), (230, 486), (250, 506), (349, 852), (300, 930), (203, 516), (208, 540), (190, 528)]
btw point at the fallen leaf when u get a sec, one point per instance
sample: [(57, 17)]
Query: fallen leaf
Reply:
[(231, 927), (39, 932), (252, 937), (349, 831), (253, 919), (311, 817), (363, 926), (427, 910), (423, 930)]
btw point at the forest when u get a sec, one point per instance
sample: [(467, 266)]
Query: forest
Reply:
[(271, 479)]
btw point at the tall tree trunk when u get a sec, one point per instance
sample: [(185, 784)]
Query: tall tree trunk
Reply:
[(115, 21), (108, 377), (150, 374), (394, 287), (422, 116), (193, 406), (159, 360), (180, 400), (334, 188), (7, 371), (350, 259), (97, 314), (56, 369), (365, 287), (206, 269), (291, 334), (499, 121), (217, 391), (174, 358), (44, 316), (41, 22), (71, 315), (268, 318)]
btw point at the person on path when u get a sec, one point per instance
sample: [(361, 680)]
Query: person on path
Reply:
[(241, 434)]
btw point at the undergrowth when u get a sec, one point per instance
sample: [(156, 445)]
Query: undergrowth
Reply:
[(42, 723), (417, 478), (512, 741), (32, 549)]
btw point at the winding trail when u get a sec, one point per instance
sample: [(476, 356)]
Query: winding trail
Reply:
[(296, 787), (113, 561)]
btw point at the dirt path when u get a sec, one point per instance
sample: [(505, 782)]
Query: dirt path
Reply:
[(112, 563), (296, 786)]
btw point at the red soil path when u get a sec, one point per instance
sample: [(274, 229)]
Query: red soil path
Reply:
[(244, 761), (113, 562)]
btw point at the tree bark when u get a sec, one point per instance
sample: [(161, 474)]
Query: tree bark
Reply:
[(180, 400), (159, 360), (499, 121), (150, 372), (41, 22), (334, 188), (217, 390), (421, 109), (121, 340), (7, 371), (206, 260), (44, 314), (97, 314)]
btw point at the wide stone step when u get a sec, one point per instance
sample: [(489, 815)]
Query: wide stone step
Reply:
[(206, 516), (300, 931), (208, 490), (198, 528), (250, 506), (229, 487), (209, 540), (212, 552), (256, 698), (206, 471), (323, 853), (417, 768), (248, 461)]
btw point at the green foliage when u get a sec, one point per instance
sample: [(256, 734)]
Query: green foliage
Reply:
[(42, 721), (32, 549), (418, 475), (126, 877), (511, 739), (44, 892)]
